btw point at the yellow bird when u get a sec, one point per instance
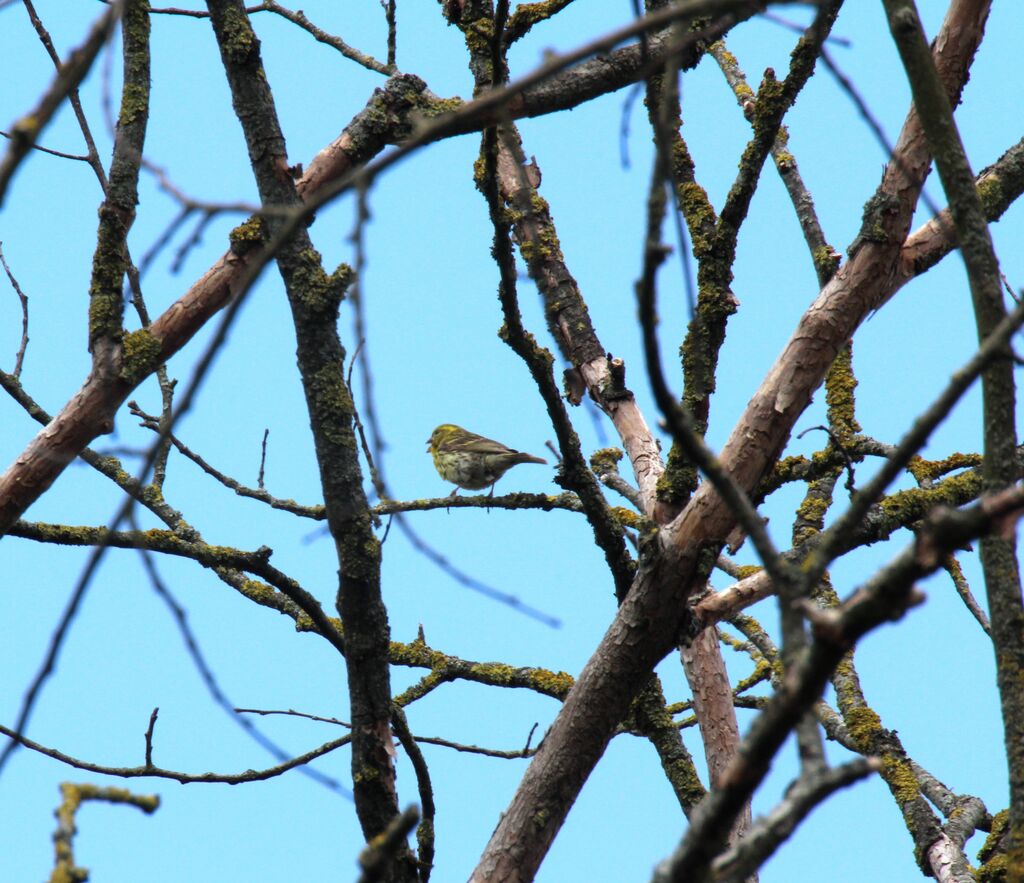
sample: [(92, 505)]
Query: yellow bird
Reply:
[(470, 460)]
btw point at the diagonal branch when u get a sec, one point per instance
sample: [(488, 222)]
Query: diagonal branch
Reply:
[(314, 299), (886, 596), (90, 412), (25, 132), (646, 625), (998, 551), (392, 116)]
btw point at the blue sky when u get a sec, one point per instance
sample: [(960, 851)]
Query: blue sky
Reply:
[(432, 317)]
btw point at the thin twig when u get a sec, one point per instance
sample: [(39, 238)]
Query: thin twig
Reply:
[(71, 72), (910, 444), (213, 687), (184, 778), (263, 460), (149, 736), (19, 357)]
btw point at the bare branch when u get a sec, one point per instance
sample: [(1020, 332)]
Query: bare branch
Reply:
[(138, 772), (19, 357), (27, 130)]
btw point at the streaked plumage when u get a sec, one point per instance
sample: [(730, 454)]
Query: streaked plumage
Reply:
[(472, 461)]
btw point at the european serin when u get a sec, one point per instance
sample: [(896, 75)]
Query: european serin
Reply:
[(470, 460)]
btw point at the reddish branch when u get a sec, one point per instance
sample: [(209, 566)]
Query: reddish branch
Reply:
[(646, 625), (389, 118), (90, 412), (998, 550)]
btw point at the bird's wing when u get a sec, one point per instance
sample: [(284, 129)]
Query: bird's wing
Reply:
[(482, 445)]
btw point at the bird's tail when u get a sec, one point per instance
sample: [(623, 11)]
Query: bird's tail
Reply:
[(529, 458)]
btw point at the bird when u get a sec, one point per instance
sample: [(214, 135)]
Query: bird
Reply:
[(472, 461)]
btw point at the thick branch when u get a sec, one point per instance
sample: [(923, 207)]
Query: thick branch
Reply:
[(90, 412), (314, 297), (646, 625), (998, 551), (885, 597)]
